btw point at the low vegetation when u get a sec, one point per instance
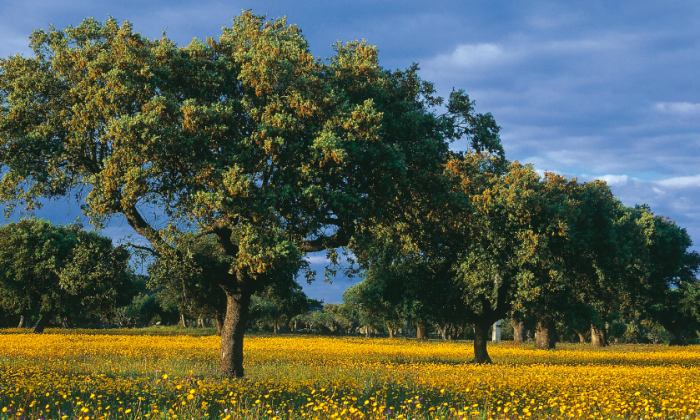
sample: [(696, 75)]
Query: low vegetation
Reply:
[(165, 373)]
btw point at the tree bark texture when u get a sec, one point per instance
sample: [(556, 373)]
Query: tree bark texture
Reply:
[(545, 334), (183, 320), (231, 352), (581, 337), (518, 329), (598, 338), (421, 331), (22, 322), (481, 336), (43, 322)]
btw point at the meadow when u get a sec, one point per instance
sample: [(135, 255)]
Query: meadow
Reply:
[(168, 374)]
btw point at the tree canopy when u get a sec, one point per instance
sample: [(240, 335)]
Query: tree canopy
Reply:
[(52, 270)]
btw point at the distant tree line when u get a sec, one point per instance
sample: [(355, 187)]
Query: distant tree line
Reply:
[(65, 275), (505, 243)]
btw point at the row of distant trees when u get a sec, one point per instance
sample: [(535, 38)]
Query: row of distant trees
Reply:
[(504, 242), (71, 277), (64, 275)]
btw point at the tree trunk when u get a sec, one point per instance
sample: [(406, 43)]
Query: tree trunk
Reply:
[(518, 328), (219, 323), (545, 334), (581, 336), (481, 336), (39, 327), (183, 320), (22, 322), (421, 331), (391, 331), (598, 338), (237, 309), (275, 327), (65, 323), (443, 332)]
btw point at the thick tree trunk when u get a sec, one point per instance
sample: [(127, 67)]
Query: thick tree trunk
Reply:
[(65, 322), (481, 336), (545, 334), (183, 320), (237, 309), (581, 337), (518, 328), (219, 323), (598, 338), (391, 331), (43, 322), (421, 331), (22, 322)]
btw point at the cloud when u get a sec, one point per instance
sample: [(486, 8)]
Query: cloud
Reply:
[(317, 259), (467, 56), (680, 182), (614, 179), (528, 52), (682, 108)]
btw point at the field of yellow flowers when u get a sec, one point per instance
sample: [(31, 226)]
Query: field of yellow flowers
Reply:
[(124, 374)]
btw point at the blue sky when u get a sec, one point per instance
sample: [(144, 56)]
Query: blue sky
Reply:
[(596, 89)]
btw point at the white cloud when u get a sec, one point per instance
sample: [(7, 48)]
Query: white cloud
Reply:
[(317, 259), (488, 54), (680, 182), (682, 108), (614, 179), (474, 55), (468, 56)]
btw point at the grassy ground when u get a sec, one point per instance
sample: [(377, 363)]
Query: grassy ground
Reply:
[(172, 373)]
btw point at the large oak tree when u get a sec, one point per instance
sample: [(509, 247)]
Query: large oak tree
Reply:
[(247, 137)]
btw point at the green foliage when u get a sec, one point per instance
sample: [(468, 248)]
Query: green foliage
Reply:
[(185, 276), (52, 270), (278, 305)]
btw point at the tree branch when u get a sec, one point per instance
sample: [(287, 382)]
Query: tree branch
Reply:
[(145, 248), (140, 225), (340, 238)]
